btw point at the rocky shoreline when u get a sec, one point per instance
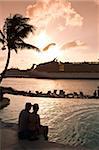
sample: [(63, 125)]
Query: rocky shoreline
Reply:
[(61, 94), (54, 94)]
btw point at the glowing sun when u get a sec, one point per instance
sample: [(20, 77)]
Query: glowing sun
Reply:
[(43, 39)]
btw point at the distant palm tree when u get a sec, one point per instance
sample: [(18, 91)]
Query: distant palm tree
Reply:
[(15, 29)]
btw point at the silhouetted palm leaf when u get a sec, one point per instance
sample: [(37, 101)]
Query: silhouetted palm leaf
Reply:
[(2, 41), (25, 45), (23, 31), (15, 29), (2, 37)]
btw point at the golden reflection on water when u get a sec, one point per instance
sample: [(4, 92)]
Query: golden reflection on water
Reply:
[(70, 121), (49, 108), (87, 86), (65, 117)]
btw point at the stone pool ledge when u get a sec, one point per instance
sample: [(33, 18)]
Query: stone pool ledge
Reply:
[(9, 141)]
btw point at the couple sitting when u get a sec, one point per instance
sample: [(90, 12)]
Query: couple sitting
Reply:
[(29, 124)]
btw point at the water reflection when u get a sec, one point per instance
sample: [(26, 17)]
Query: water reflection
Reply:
[(87, 86), (71, 121)]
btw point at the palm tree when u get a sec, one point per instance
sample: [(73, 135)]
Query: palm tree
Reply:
[(15, 29)]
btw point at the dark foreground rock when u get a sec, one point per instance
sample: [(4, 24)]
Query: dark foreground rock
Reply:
[(10, 141)]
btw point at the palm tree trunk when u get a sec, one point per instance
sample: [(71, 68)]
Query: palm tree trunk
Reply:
[(6, 66)]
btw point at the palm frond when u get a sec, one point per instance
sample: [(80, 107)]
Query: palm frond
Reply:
[(25, 45), (17, 26), (2, 41), (15, 29), (15, 50), (23, 31), (19, 17), (2, 37), (1, 34)]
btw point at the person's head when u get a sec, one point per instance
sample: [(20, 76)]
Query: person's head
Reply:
[(35, 107), (28, 106)]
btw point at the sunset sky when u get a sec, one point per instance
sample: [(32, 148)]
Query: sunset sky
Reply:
[(72, 25)]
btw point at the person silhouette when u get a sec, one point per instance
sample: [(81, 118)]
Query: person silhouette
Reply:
[(35, 126), (23, 130)]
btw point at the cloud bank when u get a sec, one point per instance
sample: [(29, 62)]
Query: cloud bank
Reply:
[(73, 44), (97, 2), (44, 12)]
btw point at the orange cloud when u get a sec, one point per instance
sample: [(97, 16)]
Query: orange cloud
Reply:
[(44, 12), (97, 2), (73, 44), (48, 46)]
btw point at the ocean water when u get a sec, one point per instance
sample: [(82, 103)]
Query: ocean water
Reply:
[(71, 121)]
